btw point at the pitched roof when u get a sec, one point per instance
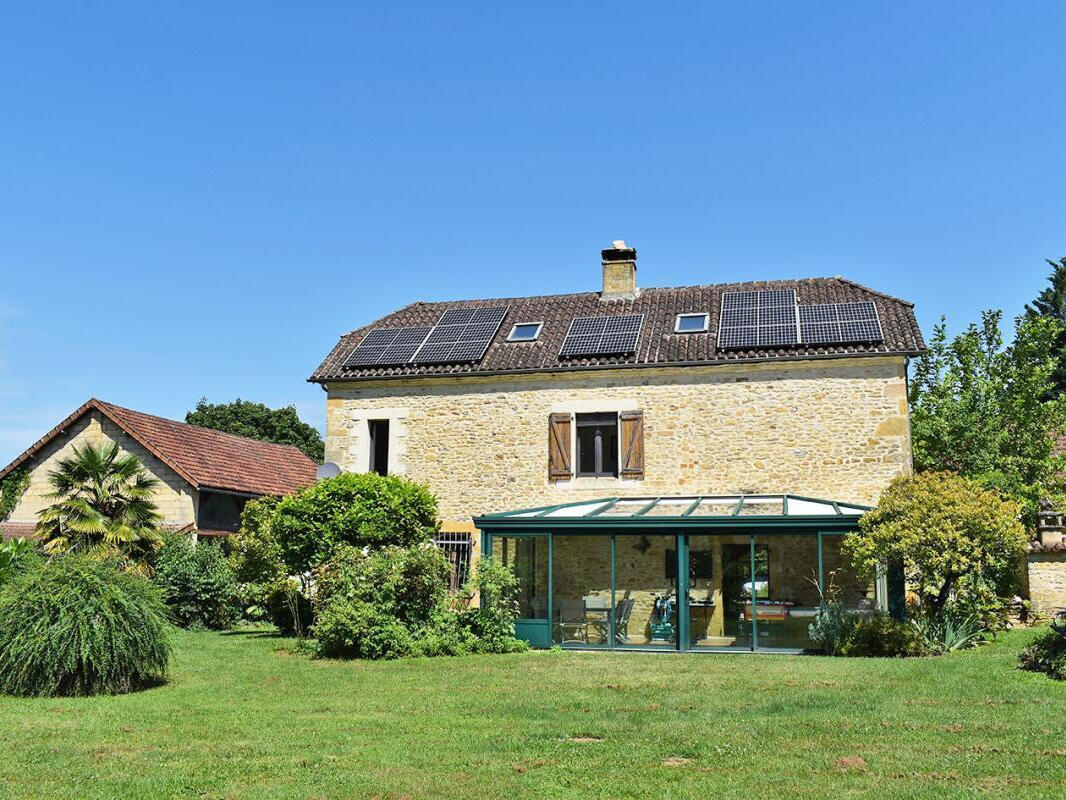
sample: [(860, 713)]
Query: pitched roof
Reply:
[(658, 345), (206, 458)]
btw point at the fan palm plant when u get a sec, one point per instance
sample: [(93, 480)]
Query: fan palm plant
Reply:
[(103, 506)]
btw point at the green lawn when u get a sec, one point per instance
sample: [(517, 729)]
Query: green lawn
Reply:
[(240, 717)]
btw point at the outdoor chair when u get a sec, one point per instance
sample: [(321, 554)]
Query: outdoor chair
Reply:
[(573, 621), (621, 620)]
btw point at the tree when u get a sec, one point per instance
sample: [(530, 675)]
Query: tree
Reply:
[(257, 421), (103, 506), (365, 510), (1051, 303), (941, 529), (989, 412)]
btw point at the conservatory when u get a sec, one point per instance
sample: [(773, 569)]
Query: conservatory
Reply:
[(707, 573)]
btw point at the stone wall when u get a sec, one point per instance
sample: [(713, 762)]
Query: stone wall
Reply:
[(175, 497), (834, 428), (1047, 581)]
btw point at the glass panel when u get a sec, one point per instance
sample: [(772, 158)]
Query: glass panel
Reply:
[(597, 444), (581, 596), (529, 557), (786, 583), (807, 508), (762, 507), (576, 511), (719, 579), (645, 591), (842, 582), (625, 508), (670, 508), (718, 507)]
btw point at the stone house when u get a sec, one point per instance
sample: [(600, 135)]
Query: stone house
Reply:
[(665, 468), (205, 476)]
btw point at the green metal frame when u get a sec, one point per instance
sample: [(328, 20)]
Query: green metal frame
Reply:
[(682, 526)]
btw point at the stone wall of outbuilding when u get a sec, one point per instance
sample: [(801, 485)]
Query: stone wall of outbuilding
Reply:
[(175, 498)]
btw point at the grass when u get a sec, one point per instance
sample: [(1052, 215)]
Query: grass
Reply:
[(241, 717)]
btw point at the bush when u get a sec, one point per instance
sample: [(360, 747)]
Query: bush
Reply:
[(840, 632), (955, 629), (359, 510), (17, 555), (492, 622), (881, 636), (255, 557), (393, 603), (80, 626), (1047, 654), (832, 627), (353, 629), (376, 604), (197, 582)]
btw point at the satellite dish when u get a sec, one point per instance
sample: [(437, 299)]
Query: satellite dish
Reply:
[(327, 470)]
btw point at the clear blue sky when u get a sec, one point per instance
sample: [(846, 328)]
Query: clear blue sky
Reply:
[(197, 199)]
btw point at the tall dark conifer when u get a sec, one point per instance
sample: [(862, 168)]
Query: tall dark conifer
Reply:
[(1051, 302)]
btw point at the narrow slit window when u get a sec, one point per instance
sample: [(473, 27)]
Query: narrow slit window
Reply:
[(525, 332), (379, 446), (691, 323)]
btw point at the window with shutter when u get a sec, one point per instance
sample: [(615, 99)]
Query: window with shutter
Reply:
[(631, 424), (559, 447)]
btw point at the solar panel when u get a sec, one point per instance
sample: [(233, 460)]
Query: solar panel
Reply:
[(388, 346), (461, 334), (838, 323), (758, 318), (590, 336)]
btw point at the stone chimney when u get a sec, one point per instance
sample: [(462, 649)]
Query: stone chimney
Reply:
[(619, 272)]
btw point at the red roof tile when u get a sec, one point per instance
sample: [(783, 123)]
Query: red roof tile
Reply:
[(206, 458), (658, 345)]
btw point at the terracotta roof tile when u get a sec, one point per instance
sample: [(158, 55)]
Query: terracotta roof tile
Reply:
[(205, 458), (658, 344)]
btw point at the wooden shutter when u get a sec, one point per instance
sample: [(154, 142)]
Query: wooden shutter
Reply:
[(631, 429), (559, 447)]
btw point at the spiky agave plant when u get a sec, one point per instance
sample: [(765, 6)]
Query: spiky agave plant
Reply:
[(103, 507)]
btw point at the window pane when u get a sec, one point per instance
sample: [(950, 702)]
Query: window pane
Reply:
[(645, 593), (786, 583), (597, 444), (525, 331), (691, 323), (528, 555), (581, 599), (586, 449), (719, 582)]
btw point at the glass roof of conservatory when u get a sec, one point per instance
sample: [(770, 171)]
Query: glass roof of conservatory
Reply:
[(692, 510)]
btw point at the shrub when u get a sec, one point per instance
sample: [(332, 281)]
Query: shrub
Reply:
[(17, 555), (955, 629), (197, 582), (375, 604), (1047, 654), (393, 603), (80, 626), (833, 627), (353, 629), (255, 557), (881, 636), (359, 510), (951, 537), (492, 622)]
